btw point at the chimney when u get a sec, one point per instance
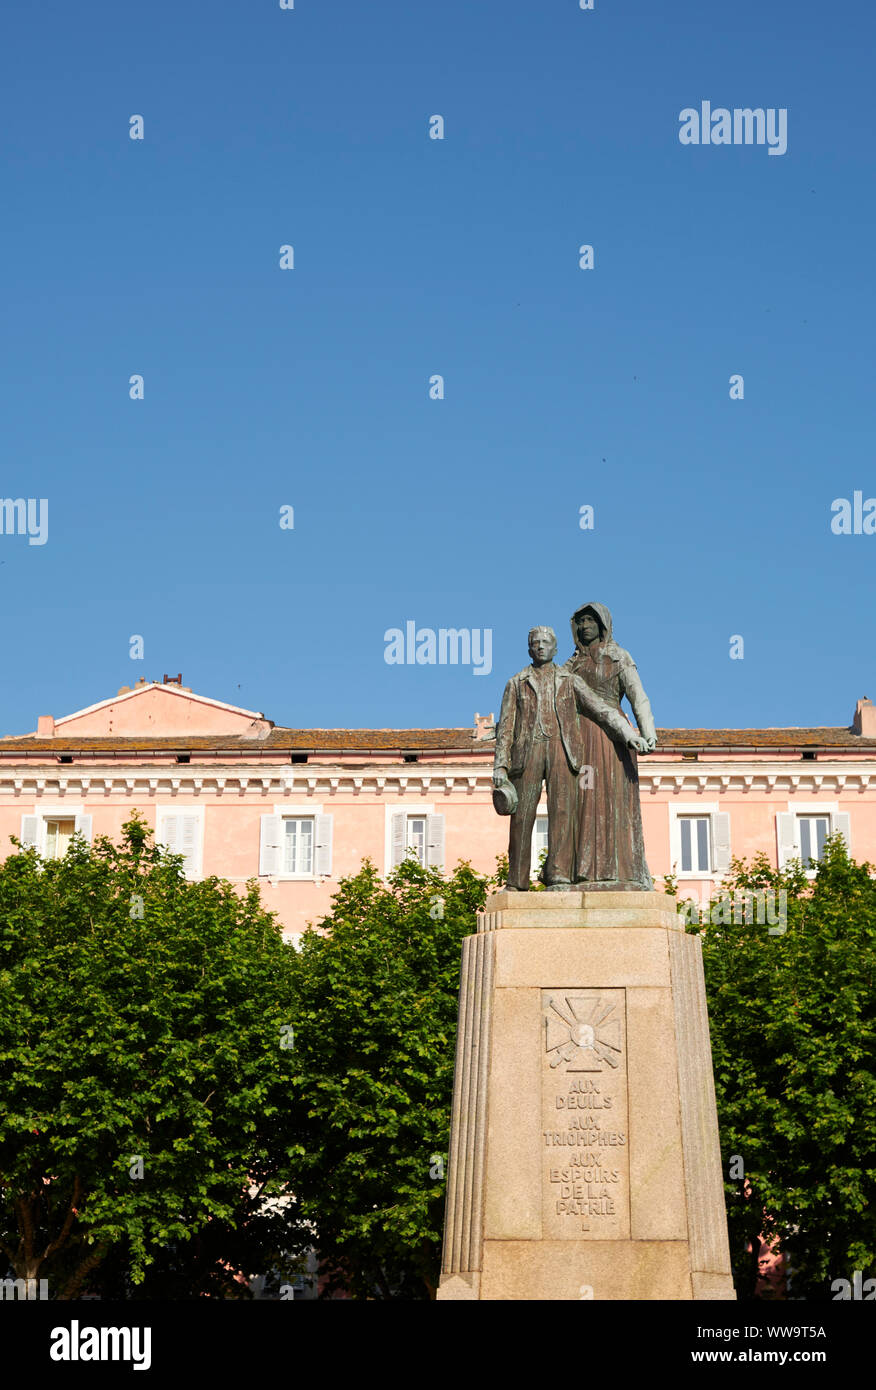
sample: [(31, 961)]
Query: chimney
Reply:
[(484, 727), (46, 726), (864, 722)]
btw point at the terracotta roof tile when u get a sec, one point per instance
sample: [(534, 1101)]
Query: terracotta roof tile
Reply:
[(414, 741), (763, 738), (279, 740)]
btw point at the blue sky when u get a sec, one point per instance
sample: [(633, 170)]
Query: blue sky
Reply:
[(309, 387)]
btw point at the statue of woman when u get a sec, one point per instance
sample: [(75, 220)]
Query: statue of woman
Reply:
[(610, 848)]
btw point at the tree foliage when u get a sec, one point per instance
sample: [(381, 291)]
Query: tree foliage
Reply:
[(793, 1028), (374, 1054), (147, 1020), (143, 1085)]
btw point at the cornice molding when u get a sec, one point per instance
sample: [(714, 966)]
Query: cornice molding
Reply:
[(233, 780)]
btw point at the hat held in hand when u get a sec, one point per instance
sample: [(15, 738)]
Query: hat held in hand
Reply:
[(505, 798)]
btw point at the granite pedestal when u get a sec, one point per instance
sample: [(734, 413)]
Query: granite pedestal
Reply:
[(584, 1153)]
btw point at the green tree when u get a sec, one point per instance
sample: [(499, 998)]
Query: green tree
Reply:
[(374, 1055), (144, 1082), (793, 1028)]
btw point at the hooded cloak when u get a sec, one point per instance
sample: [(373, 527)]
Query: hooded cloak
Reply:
[(606, 641), (630, 684), (610, 848)]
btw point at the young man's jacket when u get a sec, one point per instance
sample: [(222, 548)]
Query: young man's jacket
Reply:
[(520, 712)]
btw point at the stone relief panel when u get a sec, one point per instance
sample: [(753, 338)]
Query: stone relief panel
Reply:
[(585, 1122)]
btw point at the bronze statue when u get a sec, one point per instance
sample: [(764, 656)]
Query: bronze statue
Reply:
[(609, 845), (544, 736)]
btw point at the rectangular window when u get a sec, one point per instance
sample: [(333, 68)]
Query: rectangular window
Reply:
[(695, 848), (416, 838), (801, 833), (181, 833), (59, 833), (539, 844), (298, 845), (295, 842), (813, 831), (416, 832)]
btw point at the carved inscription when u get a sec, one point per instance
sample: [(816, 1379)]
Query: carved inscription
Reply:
[(586, 1181)]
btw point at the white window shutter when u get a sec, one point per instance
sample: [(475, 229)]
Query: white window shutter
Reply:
[(30, 832), (435, 842), (270, 842), (787, 837), (398, 838), (82, 826), (322, 850), (168, 833), (190, 845), (842, 822), (721, 841)]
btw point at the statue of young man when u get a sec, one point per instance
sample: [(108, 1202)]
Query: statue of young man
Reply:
[(540, 741)]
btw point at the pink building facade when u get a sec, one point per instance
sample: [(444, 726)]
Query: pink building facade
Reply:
[(298, 809)]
